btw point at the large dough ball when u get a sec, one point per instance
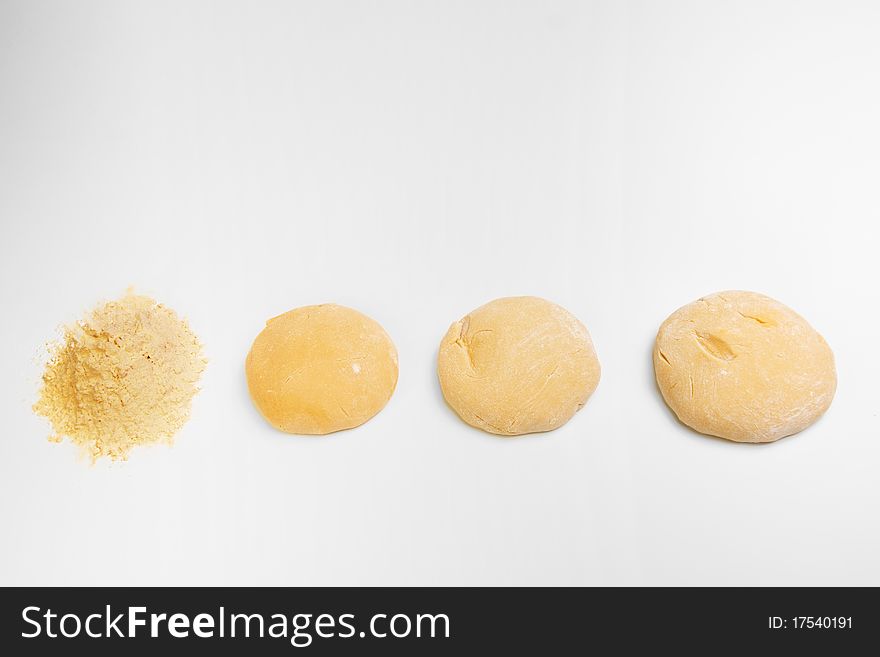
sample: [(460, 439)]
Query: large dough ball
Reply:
[(517, 365), (744, 367), (319, 369)]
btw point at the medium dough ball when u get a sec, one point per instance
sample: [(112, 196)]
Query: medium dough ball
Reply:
[(742, 366), (320, 369), (517, 365)]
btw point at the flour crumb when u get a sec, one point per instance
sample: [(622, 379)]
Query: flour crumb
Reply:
[(123, 376)]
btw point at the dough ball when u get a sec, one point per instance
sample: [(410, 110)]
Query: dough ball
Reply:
[(744, 367), (517, 365), (320, 369)]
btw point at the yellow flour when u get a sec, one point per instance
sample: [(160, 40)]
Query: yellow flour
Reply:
[(123, 376)]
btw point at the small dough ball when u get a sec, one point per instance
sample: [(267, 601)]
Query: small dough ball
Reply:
[(320, 369), (742, 366), (517, 365)]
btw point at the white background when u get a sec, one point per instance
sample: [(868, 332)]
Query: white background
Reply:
[(414, 160)]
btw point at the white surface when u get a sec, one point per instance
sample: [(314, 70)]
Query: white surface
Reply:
[(414, 160)]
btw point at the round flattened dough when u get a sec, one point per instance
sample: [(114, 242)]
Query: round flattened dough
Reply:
[(320, 369), (742, 366), (517, 365)]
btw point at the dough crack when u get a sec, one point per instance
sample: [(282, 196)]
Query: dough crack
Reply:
[(466, 342), (714, 346), (763, 322), (490, 425)]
